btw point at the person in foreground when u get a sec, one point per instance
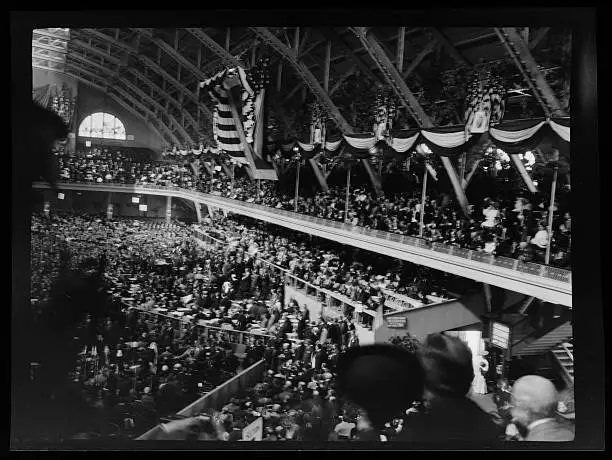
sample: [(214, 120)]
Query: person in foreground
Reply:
[(533, 407), (449, 416)]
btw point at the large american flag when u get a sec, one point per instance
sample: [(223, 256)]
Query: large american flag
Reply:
[(224, 127)]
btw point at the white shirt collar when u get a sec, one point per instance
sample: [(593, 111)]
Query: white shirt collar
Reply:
[(532, 425)]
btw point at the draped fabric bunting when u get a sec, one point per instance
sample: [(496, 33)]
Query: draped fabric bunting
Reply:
[(511, 136), (518, 136), (402, 145), (561, 127)]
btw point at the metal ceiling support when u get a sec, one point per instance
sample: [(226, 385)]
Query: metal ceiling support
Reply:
[(309, 79), (212, 45), (538, 36), (327, 64), (342, 79), (124, 94), (395, 80), (108, 39), (393, 77), (132, 87), (332, 35), (419, 58), (105, 55), (47, 56), (143, 96), (156, 68), (180, 59), (450, 48), (519, 51), (175, 103), (400, 48)]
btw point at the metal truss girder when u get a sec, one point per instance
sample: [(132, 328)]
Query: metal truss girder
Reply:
[(150, 113), (153, 66), (519, 51), (419, 58), (143, 96), (108, 39), (212, 45), (393, 77), (172, 53), (137, 74), (81, 44), (47, 66), (47, 33), (45, 46), (174, 102), (37, 54), (306, 76), (144, 119), (134, 89), (352, 55), (450, 48), (86, 81), (174, 82)]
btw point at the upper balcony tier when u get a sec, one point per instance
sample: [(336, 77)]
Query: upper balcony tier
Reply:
[(541, 281)]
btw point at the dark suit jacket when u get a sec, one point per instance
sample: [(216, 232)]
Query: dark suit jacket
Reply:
[(552, 430), (452, 419)]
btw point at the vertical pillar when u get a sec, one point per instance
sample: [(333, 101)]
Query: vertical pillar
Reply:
[(168, 209), (198, 211), (488, 297), (109, 206)]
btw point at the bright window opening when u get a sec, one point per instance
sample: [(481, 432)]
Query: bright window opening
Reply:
[(102, 125)]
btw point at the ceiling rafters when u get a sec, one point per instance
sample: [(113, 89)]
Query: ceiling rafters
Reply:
[(429, 48), (305, 74), (139, 75), (124, 94), (148, 62), (449, 47)]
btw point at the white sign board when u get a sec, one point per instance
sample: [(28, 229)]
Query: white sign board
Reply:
[(254, 431), (500, 335), (142, 207)]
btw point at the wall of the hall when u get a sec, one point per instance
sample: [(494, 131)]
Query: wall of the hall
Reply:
[(92, 100)]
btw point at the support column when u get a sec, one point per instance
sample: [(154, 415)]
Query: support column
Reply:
[(198, 211), (109, 206), (488, 297), (168, 209), (373, 176), (319, 175)]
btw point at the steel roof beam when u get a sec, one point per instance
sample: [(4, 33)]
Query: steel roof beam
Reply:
[(450, 48), (305, 74), (525, 62), (213, 46)]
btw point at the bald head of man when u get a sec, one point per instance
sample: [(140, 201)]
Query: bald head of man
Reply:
[(533, 398)]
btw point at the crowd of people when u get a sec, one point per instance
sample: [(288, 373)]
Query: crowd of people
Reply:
[(504, 226), (359, 275)]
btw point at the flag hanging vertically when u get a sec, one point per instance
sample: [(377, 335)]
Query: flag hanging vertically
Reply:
[(251, 111)]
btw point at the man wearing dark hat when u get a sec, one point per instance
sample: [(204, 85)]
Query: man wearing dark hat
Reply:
[(449, 414)]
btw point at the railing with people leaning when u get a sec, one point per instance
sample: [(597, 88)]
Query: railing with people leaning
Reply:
[(539, 270)]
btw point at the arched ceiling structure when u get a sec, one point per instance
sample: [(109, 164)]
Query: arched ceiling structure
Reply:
[(156, 72)]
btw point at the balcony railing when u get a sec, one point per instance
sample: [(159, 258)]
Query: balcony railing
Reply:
[(545, 271)]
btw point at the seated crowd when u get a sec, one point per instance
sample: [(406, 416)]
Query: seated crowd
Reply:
[(510, 227)]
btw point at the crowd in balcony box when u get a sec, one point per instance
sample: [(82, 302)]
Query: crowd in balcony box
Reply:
[(510, 226)]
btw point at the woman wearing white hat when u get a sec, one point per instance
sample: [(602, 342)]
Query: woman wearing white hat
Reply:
[(481, 367)]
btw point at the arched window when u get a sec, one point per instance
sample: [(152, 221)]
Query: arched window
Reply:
[(102, 125)]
